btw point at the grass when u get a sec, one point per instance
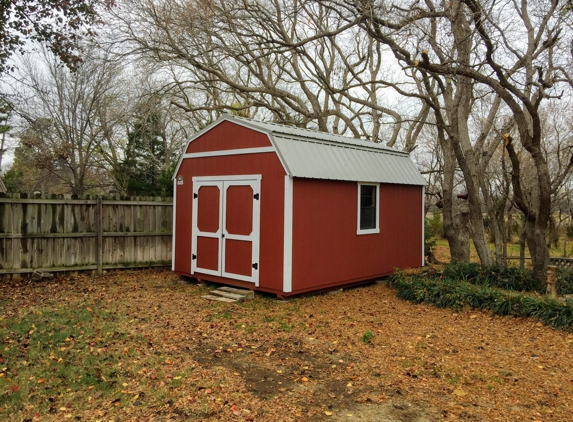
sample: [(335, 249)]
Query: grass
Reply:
[(52, 352), (367, 336)]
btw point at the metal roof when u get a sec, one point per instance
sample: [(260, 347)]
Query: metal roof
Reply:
[(286, 130), (319, 160), (319, 155)]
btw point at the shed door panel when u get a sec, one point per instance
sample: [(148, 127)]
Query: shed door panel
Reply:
[(208, 254), (238, 258), (208, 209), (239, 210), (241, 231), (207, 231)]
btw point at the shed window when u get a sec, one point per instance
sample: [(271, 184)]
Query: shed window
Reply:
[(368, 208)]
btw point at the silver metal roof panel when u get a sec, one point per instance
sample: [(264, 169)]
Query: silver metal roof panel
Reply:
[(319, 160)]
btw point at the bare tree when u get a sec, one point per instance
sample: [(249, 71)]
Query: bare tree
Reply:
[(297, 63), (510, 49), (66, 117)]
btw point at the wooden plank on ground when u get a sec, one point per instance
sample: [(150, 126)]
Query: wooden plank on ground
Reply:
[(249, 294), (218, 298), (238, 298)]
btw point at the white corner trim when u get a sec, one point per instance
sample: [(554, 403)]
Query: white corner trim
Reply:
[(221, 153), (174, 225), (423, 225), (377, 228), (287, 249)]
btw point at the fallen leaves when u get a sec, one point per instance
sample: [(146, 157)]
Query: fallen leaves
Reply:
[(237, 364)]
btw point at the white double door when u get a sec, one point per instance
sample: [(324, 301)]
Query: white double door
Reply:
[(225, 227)]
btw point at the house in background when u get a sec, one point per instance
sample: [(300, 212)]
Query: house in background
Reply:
[(284, 210)]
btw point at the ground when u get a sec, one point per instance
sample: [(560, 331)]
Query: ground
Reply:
[(144, 346)]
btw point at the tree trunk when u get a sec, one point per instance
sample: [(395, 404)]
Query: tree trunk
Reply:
[(454, 222), (537, 248), (522, 238)]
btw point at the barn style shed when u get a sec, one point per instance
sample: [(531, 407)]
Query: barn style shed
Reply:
[(284, 210)]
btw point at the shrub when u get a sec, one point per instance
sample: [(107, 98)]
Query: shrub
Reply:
[(449, 293), (564, 281), (511, 278)]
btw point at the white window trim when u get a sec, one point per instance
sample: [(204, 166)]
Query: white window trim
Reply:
[(377, 229)]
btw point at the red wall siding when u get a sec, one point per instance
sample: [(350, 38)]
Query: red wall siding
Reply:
[(326, 249), (230, 136), (227, 135)]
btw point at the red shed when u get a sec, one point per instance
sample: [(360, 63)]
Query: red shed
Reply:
[(284, 210)]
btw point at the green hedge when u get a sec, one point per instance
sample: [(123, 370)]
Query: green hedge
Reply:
[(511, 278), (564, 281), (448, 293)]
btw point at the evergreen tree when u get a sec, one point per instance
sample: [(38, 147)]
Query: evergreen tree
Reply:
[(147, 167)]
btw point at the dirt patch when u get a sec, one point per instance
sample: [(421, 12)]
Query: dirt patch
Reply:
[(312, 381)]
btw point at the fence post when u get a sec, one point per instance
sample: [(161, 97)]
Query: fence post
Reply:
[(99, 248)]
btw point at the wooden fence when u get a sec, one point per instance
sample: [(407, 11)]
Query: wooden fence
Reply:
[(61, 233), (558, 261)]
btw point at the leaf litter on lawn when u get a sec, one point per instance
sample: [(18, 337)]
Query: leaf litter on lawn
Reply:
[(139, 345)]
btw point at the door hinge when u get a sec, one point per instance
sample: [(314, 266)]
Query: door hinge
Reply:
[(195, 196), (194, 256), (256, 196), (256, 266)]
